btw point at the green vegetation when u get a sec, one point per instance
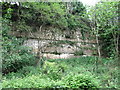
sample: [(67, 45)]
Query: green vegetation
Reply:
[(106, 27), (18, 61), (94, 53), (81, 81), (79, 53), (71, 73), (63, 42), (15, 56)]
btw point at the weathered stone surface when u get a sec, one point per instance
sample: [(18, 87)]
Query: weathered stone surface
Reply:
[(33, 43), (61, 56), (50, 49), (88, 52), (47, 47), (65, 49), (44, 39)]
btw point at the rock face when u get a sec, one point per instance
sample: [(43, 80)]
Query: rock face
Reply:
[(62, 44), (61, 56)]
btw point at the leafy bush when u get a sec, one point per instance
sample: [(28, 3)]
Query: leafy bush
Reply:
[(30, 70), (43, 81), (94, 53), (81, 81), (62, 73), (53, 71), (15, 56), (25, 71), (13, 75), (78, 53), (34, 81)]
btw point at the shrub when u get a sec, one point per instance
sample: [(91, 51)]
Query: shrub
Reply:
[(30, 70), (40, 81), (18, 59), (53, 70), (78, 53), (27, 82), (25, 71), (14, 55), (34, 81), (94, 53), (81, 81)]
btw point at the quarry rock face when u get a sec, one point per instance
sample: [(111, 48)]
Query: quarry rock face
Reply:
[(56, 45)]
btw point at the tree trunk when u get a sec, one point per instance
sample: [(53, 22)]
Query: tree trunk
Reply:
[(98, 47), (39, 53), (116, 44)]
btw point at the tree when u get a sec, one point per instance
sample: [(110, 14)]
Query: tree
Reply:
[(14, 55), (105, 18), (33, 16)]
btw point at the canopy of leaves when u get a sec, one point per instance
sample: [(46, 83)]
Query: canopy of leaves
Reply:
[(14, 55), (105, 18), (31, 15)]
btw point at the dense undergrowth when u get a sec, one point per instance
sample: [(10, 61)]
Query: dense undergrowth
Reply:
[(83, 72), (60, 73)]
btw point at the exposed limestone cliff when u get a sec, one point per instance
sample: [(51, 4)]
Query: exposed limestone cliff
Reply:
[(59, 44)]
